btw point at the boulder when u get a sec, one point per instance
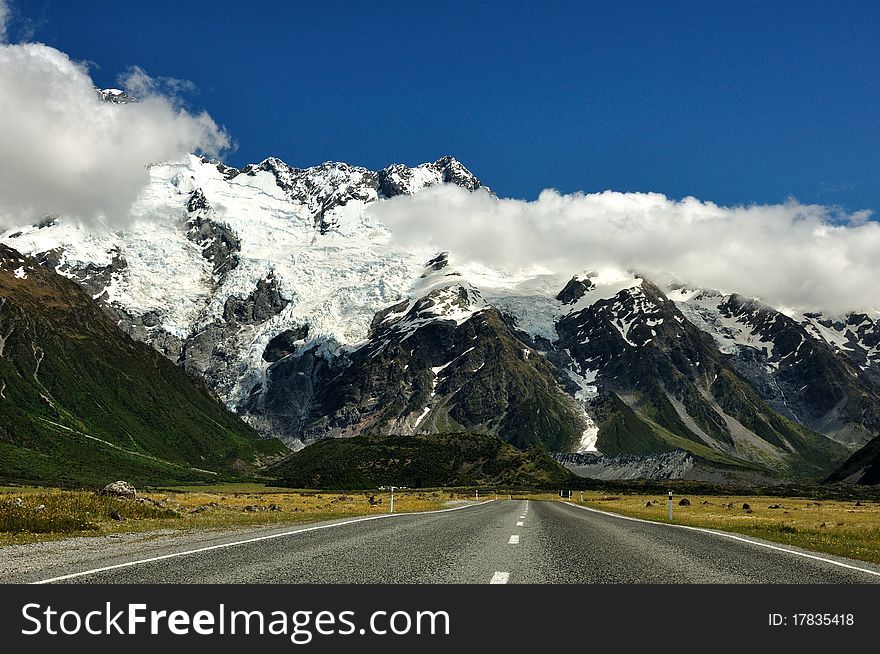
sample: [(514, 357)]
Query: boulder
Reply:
[(746, 507), (684, 502), (116, 516), (119, 489)]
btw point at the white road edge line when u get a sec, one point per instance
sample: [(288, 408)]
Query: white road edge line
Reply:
[(514, 540), (250, 540), (500, 578), (732, 537)]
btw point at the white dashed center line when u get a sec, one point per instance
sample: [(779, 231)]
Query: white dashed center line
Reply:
[(500, 578), (519, 524), (514, 540)]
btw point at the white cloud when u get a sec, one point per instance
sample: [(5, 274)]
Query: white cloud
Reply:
[(791, 255), (4, 19), (64, 151)]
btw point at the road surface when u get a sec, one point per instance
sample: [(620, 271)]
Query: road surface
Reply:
[(494, 542)]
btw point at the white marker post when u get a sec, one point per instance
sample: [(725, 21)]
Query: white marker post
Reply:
[(669, 507), (582, 496), (391, 509), (478, 496)]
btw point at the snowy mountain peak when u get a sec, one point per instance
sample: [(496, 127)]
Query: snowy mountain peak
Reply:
[(275, 285), (454, 172), (437, 295), (115, 96)]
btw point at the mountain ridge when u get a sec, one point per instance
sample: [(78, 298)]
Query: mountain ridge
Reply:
[(286, 297)]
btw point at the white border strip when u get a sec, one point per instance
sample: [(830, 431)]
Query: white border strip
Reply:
[(251, 540), (724, 534)]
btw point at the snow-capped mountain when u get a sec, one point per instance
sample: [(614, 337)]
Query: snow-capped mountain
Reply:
[(116, 96), (439, 361), (818, 372), (216, 262), (275, 285)]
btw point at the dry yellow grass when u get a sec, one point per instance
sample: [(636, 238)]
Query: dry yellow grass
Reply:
[(844, 528), (81, 513)]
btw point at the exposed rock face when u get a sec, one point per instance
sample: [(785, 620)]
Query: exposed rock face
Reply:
[(574, 290), (444, 361), (862, 468), (264, 302), (670, 378), (285, 403), (219, 244), (285, 343), (677, 464), (115, 96), (793, 368)]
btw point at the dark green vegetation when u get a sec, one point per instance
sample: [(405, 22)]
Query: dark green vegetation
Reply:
[(83, 404), (420, 461), (863, 467)]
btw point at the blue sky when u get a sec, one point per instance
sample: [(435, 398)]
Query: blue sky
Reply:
[(732, 102)]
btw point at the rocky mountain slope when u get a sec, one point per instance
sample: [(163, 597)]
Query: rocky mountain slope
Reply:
[(277, 286), (82, 403), (863, 467)]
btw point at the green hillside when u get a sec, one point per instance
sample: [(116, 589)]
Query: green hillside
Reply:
[(419, 461), (81, 403)]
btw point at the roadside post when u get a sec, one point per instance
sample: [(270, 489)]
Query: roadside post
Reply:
[(391, 505), (669, 507), (478, 496), (582, 496)]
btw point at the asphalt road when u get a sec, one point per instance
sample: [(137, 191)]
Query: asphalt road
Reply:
[(500, 542)]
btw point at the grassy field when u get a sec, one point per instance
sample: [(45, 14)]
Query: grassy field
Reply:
[(44, 514), (844, 528)]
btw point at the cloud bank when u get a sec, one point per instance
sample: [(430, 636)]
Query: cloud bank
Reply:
[(4, 19), (64, 151), (795, 256)]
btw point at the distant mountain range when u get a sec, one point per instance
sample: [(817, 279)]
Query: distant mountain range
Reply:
[(275, 286)]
